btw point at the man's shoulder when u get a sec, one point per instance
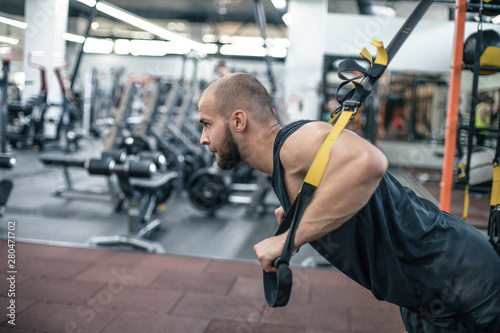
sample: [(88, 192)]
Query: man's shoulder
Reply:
[(301, 146)]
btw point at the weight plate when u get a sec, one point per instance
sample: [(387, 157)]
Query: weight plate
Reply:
[(163, 193), (209, 189)]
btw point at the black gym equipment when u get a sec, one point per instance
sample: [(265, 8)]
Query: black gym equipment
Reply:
[(26, 121), (474, 49), (7, 160), (494, 218), (143, 188), (111, 142), (209, 189), (173, 129), (92, 15), (488, 7), (67, 162), (260, 19), (167, 124), (4, 83), (488, 48)]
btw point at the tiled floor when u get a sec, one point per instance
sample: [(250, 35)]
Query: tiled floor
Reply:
[(65, 289)]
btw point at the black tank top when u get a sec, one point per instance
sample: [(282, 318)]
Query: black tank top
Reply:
[(399, 247)]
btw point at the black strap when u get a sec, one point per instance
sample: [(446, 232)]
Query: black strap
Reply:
[(278, 286), (371, 75)]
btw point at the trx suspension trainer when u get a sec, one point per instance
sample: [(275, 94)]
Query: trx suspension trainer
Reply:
[(278, 286)]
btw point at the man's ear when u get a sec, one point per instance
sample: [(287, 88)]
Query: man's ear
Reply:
[(239, 120)]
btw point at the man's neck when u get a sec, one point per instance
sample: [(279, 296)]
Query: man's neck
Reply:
[(260, 153)]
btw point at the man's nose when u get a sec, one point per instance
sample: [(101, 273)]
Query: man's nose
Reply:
[(204, 138)]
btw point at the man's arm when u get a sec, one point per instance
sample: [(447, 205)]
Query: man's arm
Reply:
[(352, 174), (351, 177)]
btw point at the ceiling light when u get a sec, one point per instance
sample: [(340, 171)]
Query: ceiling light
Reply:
[(242, 50), (209, 38), (252, 51), (287, 18), (73, 38), (496, 20), (279, 4), (280, 42), (122, 46), (148, 47), (141, 23), (176, 48), (90, 3), (9, 40), (14, 23), (210, 48), (277, 52), (94, 25), (93, 45)]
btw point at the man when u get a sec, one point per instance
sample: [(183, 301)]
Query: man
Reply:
[(441, 271), (484, 112), (221, 69)]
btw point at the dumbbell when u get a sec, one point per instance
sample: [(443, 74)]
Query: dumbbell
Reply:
[(7, 161), (106, 165), (130, 168), (120, 156)]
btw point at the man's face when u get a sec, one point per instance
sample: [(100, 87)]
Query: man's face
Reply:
[(217, 135)]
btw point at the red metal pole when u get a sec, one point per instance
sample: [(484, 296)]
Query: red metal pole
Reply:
[(453, 106)]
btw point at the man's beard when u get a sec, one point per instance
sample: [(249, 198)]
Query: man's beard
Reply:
[(229, 156)]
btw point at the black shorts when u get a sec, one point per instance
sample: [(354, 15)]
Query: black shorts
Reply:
[(415, 323)]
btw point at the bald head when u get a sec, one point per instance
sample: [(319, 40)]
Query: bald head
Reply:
[(240, 91)]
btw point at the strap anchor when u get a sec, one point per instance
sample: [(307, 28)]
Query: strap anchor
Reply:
[(351, 106)]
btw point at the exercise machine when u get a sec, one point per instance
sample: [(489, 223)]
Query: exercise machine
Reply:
[(71, 112), (26, 122), (144, 188), (7, 160)]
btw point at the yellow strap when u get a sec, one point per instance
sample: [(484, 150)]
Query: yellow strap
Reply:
[(315, 172), (382, 57), (462, 167), (466, 203), (318, 166), (365, 54), (495, 186)]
